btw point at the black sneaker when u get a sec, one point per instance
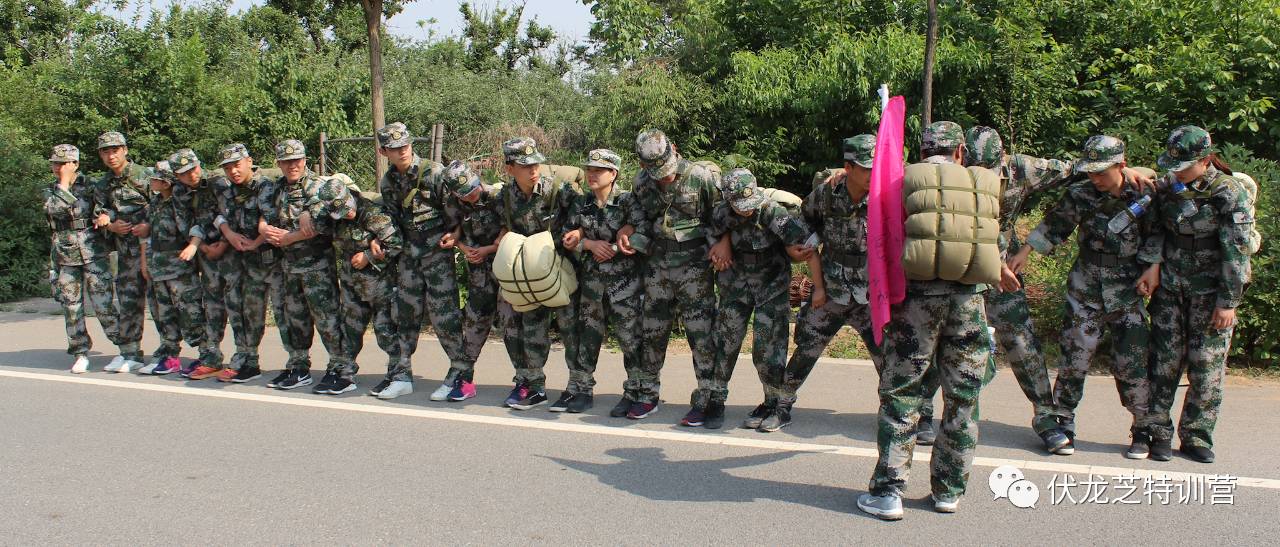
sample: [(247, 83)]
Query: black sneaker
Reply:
[(341, 385), (756, 416), (246, 373), (534, 398), (713, 418), (275, 382), (562, 404), (376, 390), (326, 383), (778, 419), (295, 380), (1161, 450), (925, 435), (694, 418), (1054, 439), (620, 409), (580, 403), (1140, 448), (1201, 454)]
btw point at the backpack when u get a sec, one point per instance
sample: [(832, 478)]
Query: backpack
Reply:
[(1251, 191)]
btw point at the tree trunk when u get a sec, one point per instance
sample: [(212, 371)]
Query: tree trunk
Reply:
[(373, 21), (930, 45)]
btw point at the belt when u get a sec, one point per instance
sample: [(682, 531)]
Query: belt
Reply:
[(1195, 243), (671, 245), (1105, 259), (848, 260), (77, 224), (751, 258), (317, 247)]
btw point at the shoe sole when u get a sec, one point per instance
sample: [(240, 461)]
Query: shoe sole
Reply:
[(774, 429), (243, 380), (1065, 451), (384, 396), (1055, 448), (203, 376), (462, 398), (879, 514), (303, 383), (1136, 456), (347, 389), (579, 410), (527, 407), (438, 398), (1161, 458), (691, 424)]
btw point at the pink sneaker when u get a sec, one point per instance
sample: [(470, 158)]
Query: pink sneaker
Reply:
[(462, 390), (517, 394), (168, 365)]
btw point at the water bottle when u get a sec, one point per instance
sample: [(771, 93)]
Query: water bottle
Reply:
[(1188, 207), (1126, 217)]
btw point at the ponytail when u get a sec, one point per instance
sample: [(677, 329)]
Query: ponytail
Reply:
[(1220, 165)]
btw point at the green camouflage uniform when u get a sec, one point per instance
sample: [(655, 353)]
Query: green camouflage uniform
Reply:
[(756, 288), (178, 312), (526, 334), (78, 257), (479, 224), (609, 292), (940, 324), (367, 293), (252, 276), (1101, 294), (203, 202), (679, 277), (1204, 234), (841, 225), (124, 197), (427, 280)]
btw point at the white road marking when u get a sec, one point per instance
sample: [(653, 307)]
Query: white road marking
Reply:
[(674, 436)]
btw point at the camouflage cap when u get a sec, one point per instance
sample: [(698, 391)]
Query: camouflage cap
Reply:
[(604, 158), (65, 153), (522, 151), (657, 156), (460, 179), (338, 194), (232, 153), (741, 190), (291, 149), (1186, 145), (111, 138), (859, 150), (983, 147), (1099, 153), (183, 160), (394, 135), (942, 135), (162, 172)]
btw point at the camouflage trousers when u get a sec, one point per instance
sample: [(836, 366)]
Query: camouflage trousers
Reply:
[(178, 315), (527, 337), (366, 297), (759, 298), (250, 282), (1010, 315), (428, 289), (1082, 330), (311, 300), (131, 300), (815, 327), (213, 280), (72, 283), (686, 289), (598, 311), (1183, 338), (947, 332), (478, 315)]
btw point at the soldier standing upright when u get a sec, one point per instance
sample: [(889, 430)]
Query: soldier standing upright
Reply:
[(122, 211)]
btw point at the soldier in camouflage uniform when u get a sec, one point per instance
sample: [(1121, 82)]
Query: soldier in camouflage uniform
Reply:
[(253, 271), (755, 289), (201, 194), (175, 287), (1101, 293), (838, 214), (414, 195), (478, 207), (289, 221), (1205, 220), (610, 287), (532, 203), (122, 209), (940, 324), (78, 255), (678, 197)]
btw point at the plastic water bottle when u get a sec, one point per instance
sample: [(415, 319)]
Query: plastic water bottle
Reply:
[(1188, 207), (1126, 217)]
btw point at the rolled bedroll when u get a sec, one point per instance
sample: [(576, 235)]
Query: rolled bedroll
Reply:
[(530, 273)]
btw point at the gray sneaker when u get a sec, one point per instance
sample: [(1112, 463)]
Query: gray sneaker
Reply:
[(1140, 448), (886, 507), (944, 504)]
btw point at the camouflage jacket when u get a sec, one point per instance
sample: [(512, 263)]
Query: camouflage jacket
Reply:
[(678, 215), (1109, 263), (621, 274), (417, 201), (70, 214), (547, 208), (481, 222), (841, 226), (374, 282), (282, 205), (124, 197), (239, 209), (204, 201), (758, 241), (1205, 252), (170, 232), (1025, 179)]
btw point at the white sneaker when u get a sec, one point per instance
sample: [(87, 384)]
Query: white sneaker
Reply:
[(396, 389), (128, 365), (114, 365), (81, 365), (943, 506), (442, 393), (151, 368)]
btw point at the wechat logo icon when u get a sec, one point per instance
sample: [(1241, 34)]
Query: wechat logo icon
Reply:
[(1008, 482)]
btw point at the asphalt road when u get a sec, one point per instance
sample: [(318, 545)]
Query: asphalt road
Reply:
[(119, 459)]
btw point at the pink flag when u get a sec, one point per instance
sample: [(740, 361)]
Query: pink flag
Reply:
[(888, 285)]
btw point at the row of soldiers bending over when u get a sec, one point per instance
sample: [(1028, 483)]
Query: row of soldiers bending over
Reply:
[(211, 247)]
